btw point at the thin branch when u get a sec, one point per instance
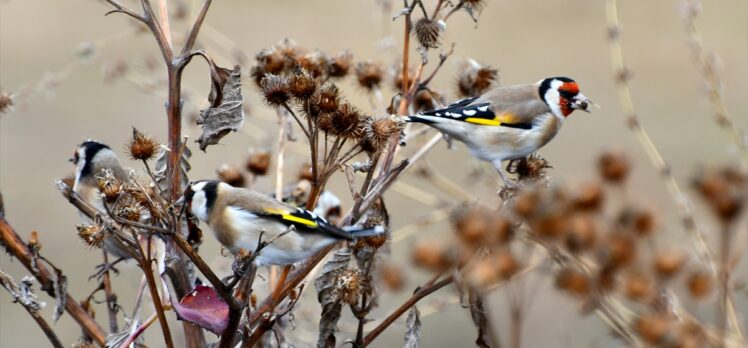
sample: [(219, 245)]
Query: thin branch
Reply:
[(111, 298), (31, 306), (192, 36)]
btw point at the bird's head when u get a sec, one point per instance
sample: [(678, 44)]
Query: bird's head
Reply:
[(90, 156), (199, 197), (562, 96)]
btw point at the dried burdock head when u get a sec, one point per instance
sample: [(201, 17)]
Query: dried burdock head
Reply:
[(257, 74), (473, 6), (550, 224), (397, 81), (324, 122), (275, 90), (374, 242), (302, 84), (392, 276), (6, 102), (313, 62), (133, 212), (531, 168), (581, 233), (475, 79), (573, 282), (501, 230), (377, 132), (589, 197), (142, 147), (258, 162), (472, 224), (109, 185), (638, 287), (700, 284), (637, 220), (616, 251), (271, 61), (91, 235), (339, 64), (492, 269), (423, 101), (725, 190), (427, 32), (230, 175), (655, 329), (345, 120), (527, 203), (669, 262), (350, 285), (305, 172), (326, 100), (431, 255), (369, 75), (613, 166)]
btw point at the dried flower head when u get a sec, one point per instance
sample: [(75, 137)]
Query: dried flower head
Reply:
[(492, 269), (574, 282), (423, 101), (230, 175), (700, 284), (326, 100), (350, 285), (725, 190), (432, 256), (258, 162), (275, 90), (473, 6), (345, 120), (392, 276), (655, 329), (271, 61), (589, 197), (6, 102), (668, 262), (527, 203), (475, 79), (427, 32), (638, 287), (637, 220), (581, 233), (133, 212), (616, 251), (302, 84), (369, 75), (614, 166), (339, 64), (377, 132), (141, 147), (91, 235), (531, 168), (109, 185), (305, 172)]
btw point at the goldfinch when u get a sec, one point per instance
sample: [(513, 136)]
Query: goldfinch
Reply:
[(92, 158), (508, 122), (239, 216)]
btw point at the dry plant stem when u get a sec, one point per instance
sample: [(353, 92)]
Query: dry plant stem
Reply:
[(724, 282), (281, 156), (145, 261), (110, 297), (417, 296), (14, 245), (703, 61), (148, 322), (7, 282)]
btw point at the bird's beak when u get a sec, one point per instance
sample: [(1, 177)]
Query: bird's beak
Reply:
[(582, 103)]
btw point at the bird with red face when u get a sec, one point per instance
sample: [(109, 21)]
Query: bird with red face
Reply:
[(508, 122)]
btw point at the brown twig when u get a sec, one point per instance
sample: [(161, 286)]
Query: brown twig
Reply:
[(111, 298)]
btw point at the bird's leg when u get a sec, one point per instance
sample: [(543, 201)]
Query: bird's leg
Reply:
[(105, 267), (507, 183)]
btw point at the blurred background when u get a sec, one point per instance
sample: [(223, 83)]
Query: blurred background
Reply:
[(76, 74)]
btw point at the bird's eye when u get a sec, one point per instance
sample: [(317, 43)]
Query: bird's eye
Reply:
[(76, 157)]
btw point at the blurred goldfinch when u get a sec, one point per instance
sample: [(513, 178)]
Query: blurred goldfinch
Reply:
[(508, 122), (238, 216)]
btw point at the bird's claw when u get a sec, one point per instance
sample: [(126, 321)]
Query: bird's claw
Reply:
[(103, 268)]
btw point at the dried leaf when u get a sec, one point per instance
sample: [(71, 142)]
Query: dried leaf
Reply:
[(204, 308), (61, 294), (225, 113), (161, 173), (21, 293), (116, 339), (413, 334), (329, 298)]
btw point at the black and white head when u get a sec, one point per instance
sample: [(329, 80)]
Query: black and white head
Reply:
[(200, 197), (90, 157), (562, 96)]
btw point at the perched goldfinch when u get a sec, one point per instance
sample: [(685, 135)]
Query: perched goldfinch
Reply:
[(91, 159), (238, 216), (508, 122)]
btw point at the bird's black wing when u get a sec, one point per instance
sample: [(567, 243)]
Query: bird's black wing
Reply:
[(306, 221), (464, 110)]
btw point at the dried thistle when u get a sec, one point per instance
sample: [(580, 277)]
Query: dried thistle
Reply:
[(655, 329), (668, 263), (350, 285), (345, 120), (326, 100), (377, 133), (305, 172), (109, 185), (589, 198), (91, 235), (275, 90), (639, 221), (531, 168), (423, 101), (614, 166), (339, 64), (472, 225), (475, 79), (725, 190), (427, 31), (581, 234), (432, 256), (230, 175), (574, 282), (302, 84), (313, 62), (6, 102), (369, 75), (392, 276), (258, 162), (616, 251), (142, 147), (638, 287), (492, 269), (133, 212), (271, 61), (700, 284)]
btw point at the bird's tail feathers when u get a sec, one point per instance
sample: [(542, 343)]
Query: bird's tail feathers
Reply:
[(359, 232), (417, 119)]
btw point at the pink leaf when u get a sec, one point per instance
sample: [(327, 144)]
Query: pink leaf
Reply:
[(204, 308)]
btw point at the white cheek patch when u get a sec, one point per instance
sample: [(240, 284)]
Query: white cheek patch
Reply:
[(199, 206), (553, 98)]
